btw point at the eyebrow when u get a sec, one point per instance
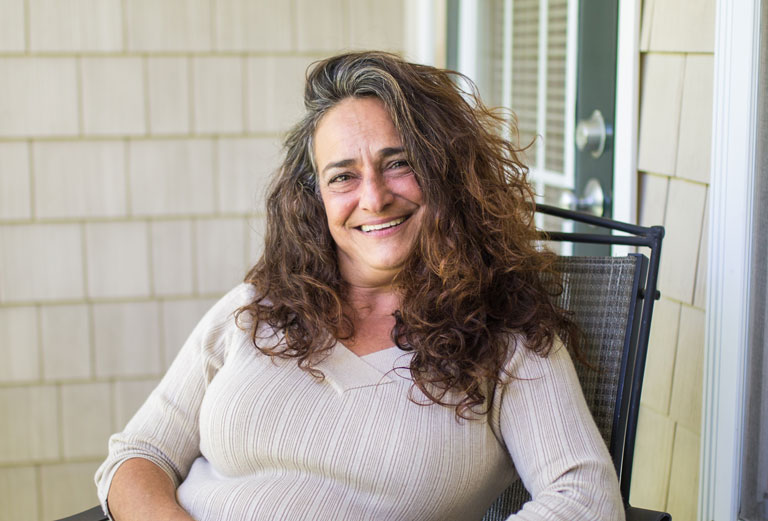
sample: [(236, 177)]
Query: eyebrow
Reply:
[(383, 154)]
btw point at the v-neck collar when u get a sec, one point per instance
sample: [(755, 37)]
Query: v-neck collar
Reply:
[(344, 370)]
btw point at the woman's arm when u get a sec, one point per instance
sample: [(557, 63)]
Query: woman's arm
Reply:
[(142, 491), (164, 434), (554, 442)]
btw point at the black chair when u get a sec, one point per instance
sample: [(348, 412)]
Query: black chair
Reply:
[(611, 299), (92, 514)]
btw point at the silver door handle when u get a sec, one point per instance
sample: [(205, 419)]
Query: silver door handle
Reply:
[(592, 201), (591, 134)]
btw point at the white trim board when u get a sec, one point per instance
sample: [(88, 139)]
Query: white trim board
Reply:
[(730, 217), (626, 118), (424, 39)]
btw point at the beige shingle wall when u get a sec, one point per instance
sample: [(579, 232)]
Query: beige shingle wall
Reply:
[(674, 151), (136, 137)]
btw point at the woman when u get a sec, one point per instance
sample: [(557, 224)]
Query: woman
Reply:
[(394, 354)]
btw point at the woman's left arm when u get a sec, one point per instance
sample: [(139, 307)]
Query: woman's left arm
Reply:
[(554, 442)]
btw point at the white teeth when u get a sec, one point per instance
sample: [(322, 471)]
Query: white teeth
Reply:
[(372, 227)]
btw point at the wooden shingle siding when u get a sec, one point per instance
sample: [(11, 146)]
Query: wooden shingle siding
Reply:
[(136, 141), (677, 43)]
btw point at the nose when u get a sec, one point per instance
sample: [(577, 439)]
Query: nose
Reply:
[(375, 194)]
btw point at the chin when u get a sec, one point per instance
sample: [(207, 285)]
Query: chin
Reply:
[(388, 263)]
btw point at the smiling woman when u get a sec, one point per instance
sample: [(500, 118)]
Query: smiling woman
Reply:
[(395, 353), (371, 197)]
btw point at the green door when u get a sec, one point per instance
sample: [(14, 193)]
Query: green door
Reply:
[(595, 106), (553, 62)]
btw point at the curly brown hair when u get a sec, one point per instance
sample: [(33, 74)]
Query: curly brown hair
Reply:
[(475, 278)]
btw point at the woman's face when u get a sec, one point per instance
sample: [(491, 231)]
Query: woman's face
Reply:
[(372, 199)]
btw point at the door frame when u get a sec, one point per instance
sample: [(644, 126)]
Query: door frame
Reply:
[(627, 121), (424, 36), (733, 173)]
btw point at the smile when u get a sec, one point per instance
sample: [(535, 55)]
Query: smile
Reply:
[(373, 227)]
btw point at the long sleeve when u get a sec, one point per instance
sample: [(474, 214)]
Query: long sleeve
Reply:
[(165, 430), (555, 445)]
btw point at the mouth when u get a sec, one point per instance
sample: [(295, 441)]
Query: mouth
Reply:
[(367, 228)]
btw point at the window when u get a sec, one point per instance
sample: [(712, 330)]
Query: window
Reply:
[(522, 55)]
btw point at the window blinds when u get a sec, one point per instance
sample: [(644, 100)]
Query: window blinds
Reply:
[(530, 39)]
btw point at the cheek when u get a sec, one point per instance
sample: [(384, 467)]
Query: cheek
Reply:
[(338, 207), (409, 188)]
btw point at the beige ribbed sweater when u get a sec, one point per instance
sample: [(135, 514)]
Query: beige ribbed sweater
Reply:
[(245, 437)]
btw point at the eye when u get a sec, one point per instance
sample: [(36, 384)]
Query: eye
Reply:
[(339, 178), (399, 163)]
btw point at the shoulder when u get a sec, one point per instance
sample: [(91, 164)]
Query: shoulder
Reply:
[(225, 310), (535, 385), (524, 363), (532, 377), (224, 319)]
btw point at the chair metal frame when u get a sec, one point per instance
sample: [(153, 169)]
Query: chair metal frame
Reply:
[(636, 338)]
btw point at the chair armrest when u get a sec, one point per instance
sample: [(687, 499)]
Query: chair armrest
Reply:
[(641, 514), (92, 514), (633, 514)]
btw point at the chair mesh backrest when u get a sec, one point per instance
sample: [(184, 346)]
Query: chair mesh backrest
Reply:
[(599, 293)]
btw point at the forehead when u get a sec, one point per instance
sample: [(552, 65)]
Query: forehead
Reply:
[(353, 127)]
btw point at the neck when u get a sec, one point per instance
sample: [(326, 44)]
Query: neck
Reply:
[(366, 301), (372, 311)]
